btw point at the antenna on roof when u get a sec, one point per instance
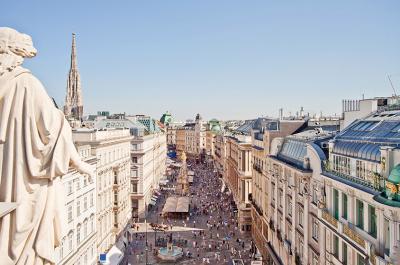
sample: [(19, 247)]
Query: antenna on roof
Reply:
[(391, 84)]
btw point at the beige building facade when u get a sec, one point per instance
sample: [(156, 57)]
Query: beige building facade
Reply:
[(237, 176), (331, 199), (111, 147), (78, 245)]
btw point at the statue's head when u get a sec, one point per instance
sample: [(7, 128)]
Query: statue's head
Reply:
[(14, 47)]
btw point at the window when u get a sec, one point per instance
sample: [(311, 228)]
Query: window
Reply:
[(85, 229), (341, 164), (360, 214), (361, 169), (314, 194), (78, 234), (386, 228), (335, 203), (116, 219), (344, 206), (372, 220), (360, 259), (91, 252), (69, 212), (301, 216), (70, 238), (69, 187), (91, 223), (273, 192), (301, 247), (85, 203), (78, 207), (289, 207), (344, 253), (62, 248), (280, 198), (315, 228), (85, 181), (134, 159), (115, 197), (78, 184), (335, 246), (91, 199)]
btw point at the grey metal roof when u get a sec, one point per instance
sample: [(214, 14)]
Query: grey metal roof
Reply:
[(259, 124), (363, 138)]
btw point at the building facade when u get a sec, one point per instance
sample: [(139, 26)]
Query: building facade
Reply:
[(111, 147), (332, 199), (191, 137), (148, 153), (78, 245), (213, 128), (237, 176), (200, 135), (148, 156), (220, 154)]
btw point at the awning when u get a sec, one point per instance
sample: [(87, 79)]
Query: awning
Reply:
[(176, 205), (114, 256), (154, 197), (152, 203)]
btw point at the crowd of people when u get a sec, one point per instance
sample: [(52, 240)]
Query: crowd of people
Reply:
[(220, 240)]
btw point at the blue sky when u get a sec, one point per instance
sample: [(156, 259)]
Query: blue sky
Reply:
[(224, 59)]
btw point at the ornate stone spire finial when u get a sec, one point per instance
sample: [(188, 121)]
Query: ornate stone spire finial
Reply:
[(73, 53)]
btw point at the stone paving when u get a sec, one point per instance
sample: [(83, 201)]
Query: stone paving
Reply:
[(219, 243)]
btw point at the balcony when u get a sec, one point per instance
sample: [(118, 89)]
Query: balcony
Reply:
[(374, 183), (329, 218), (257, 208), (137, 150), (350, 232)]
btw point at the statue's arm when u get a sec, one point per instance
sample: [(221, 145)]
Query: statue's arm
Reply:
[(56, 133)]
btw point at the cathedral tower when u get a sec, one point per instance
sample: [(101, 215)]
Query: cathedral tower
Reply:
[(73, 108)]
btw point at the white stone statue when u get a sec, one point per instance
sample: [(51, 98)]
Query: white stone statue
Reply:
[(36, 149)]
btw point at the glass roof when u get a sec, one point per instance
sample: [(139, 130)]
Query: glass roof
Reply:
[(293, 151), (363, 138), (378, 132)]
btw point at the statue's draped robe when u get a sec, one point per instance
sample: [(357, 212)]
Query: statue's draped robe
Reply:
[(35, 150)]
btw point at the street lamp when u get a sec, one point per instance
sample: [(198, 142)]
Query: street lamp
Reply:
[(155, 231)]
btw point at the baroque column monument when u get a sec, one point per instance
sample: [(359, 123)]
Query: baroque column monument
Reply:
[(36, 149)]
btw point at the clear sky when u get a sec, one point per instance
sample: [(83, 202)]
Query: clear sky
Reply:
[(223, 59)]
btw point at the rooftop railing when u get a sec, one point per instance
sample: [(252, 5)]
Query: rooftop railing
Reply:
[(374, 180)]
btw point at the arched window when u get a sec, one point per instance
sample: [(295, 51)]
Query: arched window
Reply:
[(62, 248), (85, 228), (92, 223), (78, 234), (70, 238)]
